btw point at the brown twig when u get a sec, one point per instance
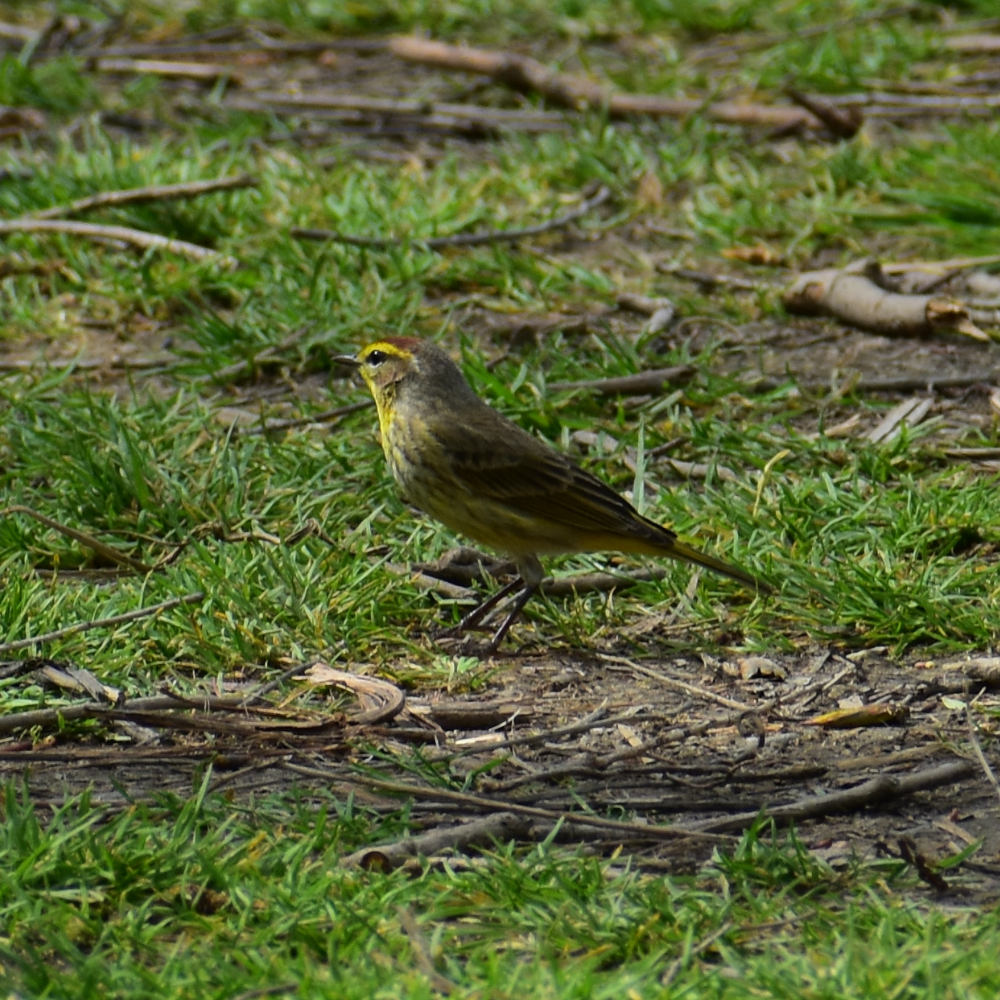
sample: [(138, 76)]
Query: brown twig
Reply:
[(154, 192), (138, 706), (461, 239), (129, 616), (527, 75), (703, 693), (326, 416), (977, 747), (95, 544), (855, 297), (475, 833), (843, 124), (482, 802), (382, 106), (161, 67), (654, 380), (124, 234), (707, 280), (883, 788), (674, 969), (422, 951)]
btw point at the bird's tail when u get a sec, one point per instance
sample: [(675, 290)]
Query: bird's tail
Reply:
[(688, 554)]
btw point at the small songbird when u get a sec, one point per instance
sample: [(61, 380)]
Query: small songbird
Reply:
[(477, 472)]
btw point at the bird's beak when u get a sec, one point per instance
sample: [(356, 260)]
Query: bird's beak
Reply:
[(348, 360)]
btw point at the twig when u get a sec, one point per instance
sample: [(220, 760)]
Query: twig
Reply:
[(492, 805), (257, 44), (527, 75), (671, 972), (169, 68), (460, 239), (497, 826), (116, 362), (320, 418), (269, 353), (136, 237), (154, 192), (929, 381), (422, 951), (843, 124), (671, 682), (883, 788), (137, 706), (95, 544), (707, 280), (654, 380), (129, 616), (977, 748), (475, 113)]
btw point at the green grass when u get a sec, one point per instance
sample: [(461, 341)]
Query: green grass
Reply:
[(869, 544), (201, 899)]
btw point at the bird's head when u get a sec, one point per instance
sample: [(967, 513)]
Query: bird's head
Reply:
[(386, 362)]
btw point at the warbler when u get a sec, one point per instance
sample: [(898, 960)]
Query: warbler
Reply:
[(463, 463)]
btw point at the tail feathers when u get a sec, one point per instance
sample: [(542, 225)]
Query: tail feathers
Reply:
[(688, 554)]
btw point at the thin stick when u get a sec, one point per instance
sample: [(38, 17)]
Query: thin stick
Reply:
[(698, 692), (653, 380), (98, 710), (883, 788), (422, 951), (95, 544), (493, 805), (674, 968), (460, 239), (527, 75), (136, 237), (320, 418), (129, 616), (977, 749), (154, 192)]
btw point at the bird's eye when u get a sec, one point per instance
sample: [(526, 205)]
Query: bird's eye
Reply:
[(376, 358)]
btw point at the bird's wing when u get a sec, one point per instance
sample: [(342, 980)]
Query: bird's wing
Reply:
[(506, 464)]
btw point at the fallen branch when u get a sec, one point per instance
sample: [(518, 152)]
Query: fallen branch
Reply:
[(483, 803), (154, 192), (42, 717), (856, 299), (475, 833), (94, 544), (129, 616), (422, 952), (699, 692), (881, 789), (909, 412), (169, 68), (475, 114), (325, 417), (460, 239), (654, 380), (843, 124), (135, 237), (527, 75)]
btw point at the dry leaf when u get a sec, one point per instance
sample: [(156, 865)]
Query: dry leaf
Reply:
[(760, 666), (759, 254), (866, 715), (649, 191)]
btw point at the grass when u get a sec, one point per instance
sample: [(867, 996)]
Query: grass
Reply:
[(200, 898), (870, 544)]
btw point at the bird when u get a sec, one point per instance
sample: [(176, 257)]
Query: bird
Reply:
[(477, 472)]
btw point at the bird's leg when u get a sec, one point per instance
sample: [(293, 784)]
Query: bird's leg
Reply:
[(519, 602), (478, 614)]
